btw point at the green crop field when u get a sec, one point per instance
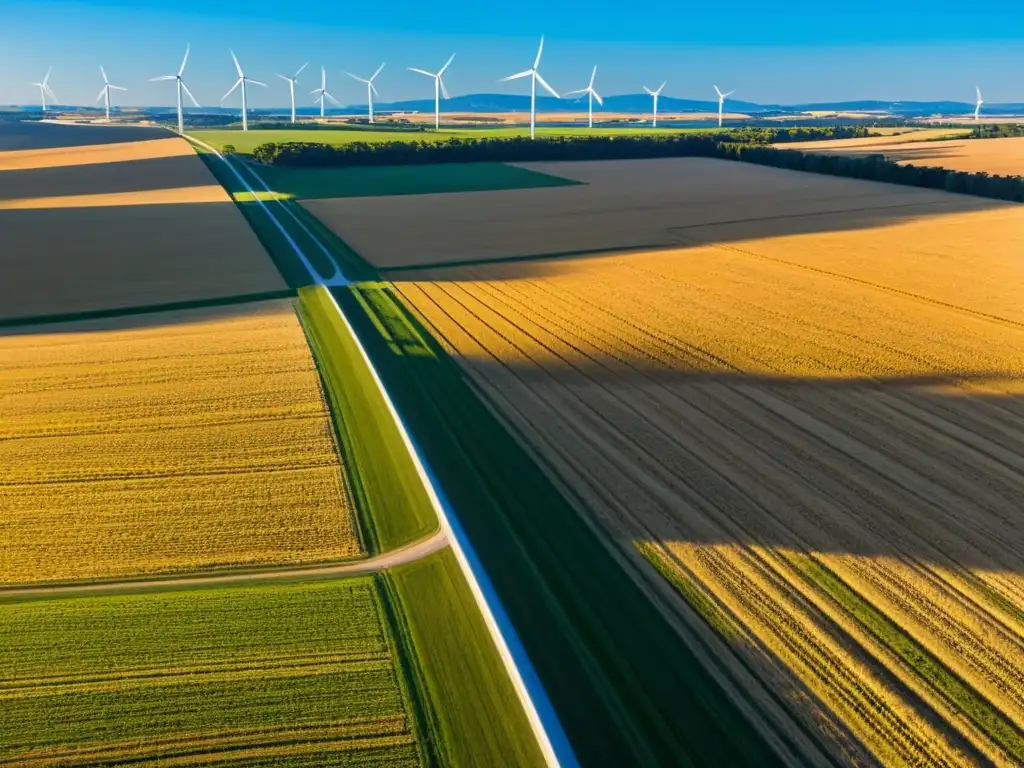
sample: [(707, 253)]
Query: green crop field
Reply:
[(474, 724), (299, 672), (312, 183)]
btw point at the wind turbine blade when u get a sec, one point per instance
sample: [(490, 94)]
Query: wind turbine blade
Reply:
[(720, 94), (527, 73), (332, 99), (444, 91), (421, 71), (47, 78), (649, 91), (238, 82), (49, 90), (296, 76), (578, 90), (104, 73), (598, 98), (355, 77), (377, 72), (117, 87), (316, 90), (977, 90), (372, 87), (103, 90), (730, 93), (255, 82), (237, 65), (184, 61), (547, 87), (446, 65), (163, 77), (285, 77), (662, 86), (540, 50), (592, 76), (186, 90)]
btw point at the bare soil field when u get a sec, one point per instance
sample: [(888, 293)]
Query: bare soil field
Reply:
[(166, 443), (1003, 157), (626, 204), (120, 225), (814, 434)]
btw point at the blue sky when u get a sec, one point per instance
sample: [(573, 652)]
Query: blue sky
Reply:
[(771, 52)]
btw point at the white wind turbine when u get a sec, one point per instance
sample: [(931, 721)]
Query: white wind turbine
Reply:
[(535, 78), (592, 94), (438, 88), (721, 102), (655, 95), (107, 88), (291, 85), (321, 92), (977, 106), (45, 90), (241, 81), (181, 87), (370, 88)]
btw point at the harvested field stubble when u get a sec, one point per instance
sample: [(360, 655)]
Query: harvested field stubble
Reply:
[(198, 441), (823, 453), (120, 225), (999, 157)]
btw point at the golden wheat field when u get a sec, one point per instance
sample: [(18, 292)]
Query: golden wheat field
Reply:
[(168, 442), (813, 428), (999, 157), (119, 225)]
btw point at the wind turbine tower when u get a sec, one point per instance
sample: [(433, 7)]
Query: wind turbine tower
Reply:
[(977, 106), (438, 88), (107, 88), (592, 94), (241, 81), (44, 89), (291, 85), (370, 88), (721, 103), (655, 95), (181, 87), (535, 78), (321, 92)]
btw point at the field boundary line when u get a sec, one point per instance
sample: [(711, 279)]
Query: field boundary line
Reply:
[(410, 553), (547, 729)]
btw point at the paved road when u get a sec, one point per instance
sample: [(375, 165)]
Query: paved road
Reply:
[(408, 554)]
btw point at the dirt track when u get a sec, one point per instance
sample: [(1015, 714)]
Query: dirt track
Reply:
[(119, 225), (779, 419)]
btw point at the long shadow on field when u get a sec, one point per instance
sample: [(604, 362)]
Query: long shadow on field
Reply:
[(73, 260), (15, 135), (163, 173)]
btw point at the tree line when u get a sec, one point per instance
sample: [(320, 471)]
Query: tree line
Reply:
[(722, 145)]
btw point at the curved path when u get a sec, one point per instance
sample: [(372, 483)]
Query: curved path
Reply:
[(407, 554)]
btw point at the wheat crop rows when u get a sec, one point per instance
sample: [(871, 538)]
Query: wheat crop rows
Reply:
[(817, 435), (176, 442)]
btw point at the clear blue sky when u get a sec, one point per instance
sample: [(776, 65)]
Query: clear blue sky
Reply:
[(770, 51)]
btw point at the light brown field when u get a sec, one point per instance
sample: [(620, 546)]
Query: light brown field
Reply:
[(1003, 157), (120, 225), (765, 401), (632, 204), (165, 443)]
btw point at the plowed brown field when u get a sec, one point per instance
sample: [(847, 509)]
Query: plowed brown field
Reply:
[(1002, 157), (185, 441), (817, 436), (120, 225)]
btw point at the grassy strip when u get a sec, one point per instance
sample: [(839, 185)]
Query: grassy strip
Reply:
[(697, 600), (174, 306), (301, 668), (392, 506), (627, 690), (477, 719), (311, 183), (280, 251), (939, 677)]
